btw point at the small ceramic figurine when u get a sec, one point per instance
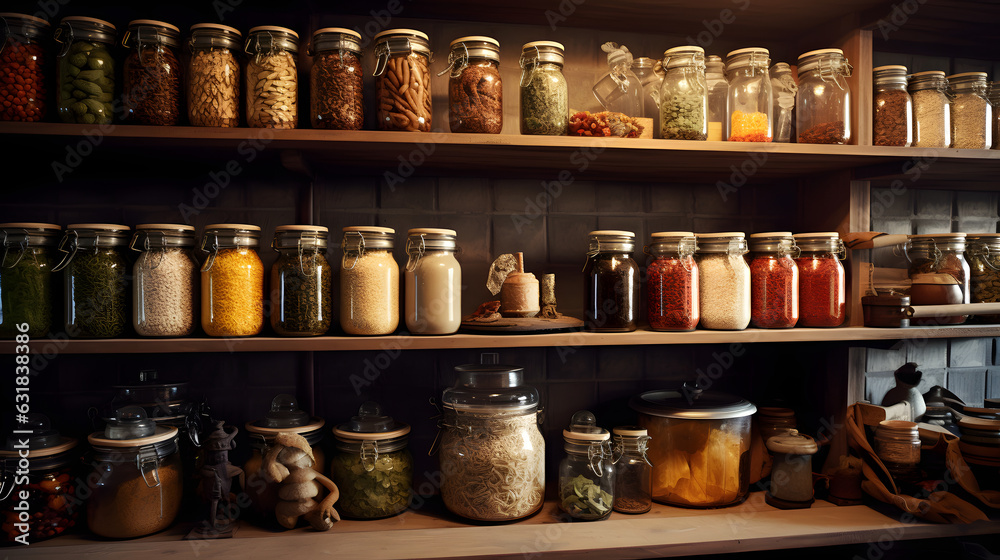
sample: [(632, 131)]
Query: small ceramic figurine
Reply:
[(907, 379), (289, 462), (217, 474)]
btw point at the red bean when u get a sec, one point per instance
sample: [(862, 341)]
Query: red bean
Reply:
[(22, 81)]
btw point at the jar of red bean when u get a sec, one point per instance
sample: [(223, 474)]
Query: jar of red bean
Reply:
[(152, 89), (611, 280), (85, 70), (672, 282), (822, 284), (774, 280), (22, 67)]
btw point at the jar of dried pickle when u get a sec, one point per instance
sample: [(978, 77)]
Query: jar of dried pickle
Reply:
[(85, 70), (684, 95), (971, 112), (300, 282), (749, 101), (369, 281), (26, 278), (433, 277), (403, 80), (984, 269), (544, 94), (335, 84), (152, 75), (232, 281), (611, 282), (892, 123), (672, 298), (822, 284), (942, 253), (587, 472), (931, 109), (774, 280), (724, 279), (23, 66), (823, 100), (475, 91), (214, 73), (164, 280), (272, 80), (783, 90), (633, 471), (96, 280)]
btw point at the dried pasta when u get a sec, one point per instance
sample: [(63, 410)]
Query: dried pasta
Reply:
[(232, 294)]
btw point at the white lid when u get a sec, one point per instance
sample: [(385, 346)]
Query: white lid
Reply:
[(671, 234), (98, 226), (247, 227), (612, 232), (771, 234), (684, 49), (747, 50), (891, 67), (177, 227), (630, 431), (216, 26), (821, 51), (472, 38), (26, 17), (154, 22), (323, 229), (582, 436), (314, 424), (738, 234), (432, 231), (71, 19), (273, 28), (343, 30), (830, 234), (543, 44), (413, 32), (936, 235), (369, 229)]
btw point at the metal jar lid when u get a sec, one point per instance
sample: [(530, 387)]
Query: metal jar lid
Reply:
[(611, 241), (158, 236), (689, 55), (542, 51), (271, 38), (300, 237), (336, 38), (756, 57), (151, 32), (890, 75), (692, 404), (490, 388), (215, 35), (28, 234), (420, 239), (76, 28)]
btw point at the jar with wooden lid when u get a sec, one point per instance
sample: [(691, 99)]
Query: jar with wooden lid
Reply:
[(232, 281), (684, 95), (971, 111), (301, 302), (403, 80), (164, 280), (369, 281), (544, 96), (96, 280), (611, 282), (587, 472), (892, 122), (931, 109), (475, 90), (335, 80), (85, 70), (791, 472), (823, 100), (749, 103), (724, 281), (26, 278), (214, 75), (152, 73), (23, 67), (433, 278), (774, 280), (272, 80), (822, 279), (672, 282)]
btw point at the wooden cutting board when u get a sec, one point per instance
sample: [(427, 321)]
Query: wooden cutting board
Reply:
[(524, 325)]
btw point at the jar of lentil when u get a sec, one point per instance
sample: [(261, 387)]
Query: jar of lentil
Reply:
[(684, 95), (672, 300), (213, 75), (96, 280), (164, 280), (475, 91), (403, 80), (633, 471), (718, 93), (971, 112), (611, 282), (587, 472), (931, 109), (232, 281), (26, 278), (85, 70), (23, 65), (774, 280), (369, 281), (300, 282), (939, 253), (152, 75), (749, 101), (335, 84), (892, 123), (823, 101), (984, 270), (272, 80), (544, 94), (822, 284), (724, 281), (783, 90), (433, 301)]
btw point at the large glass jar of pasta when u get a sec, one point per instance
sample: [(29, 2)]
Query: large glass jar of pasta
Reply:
[(587, 472), (403, 80), (672, 300), (335, 85), (971, 112), (823, 100), (26, 278), (214, 73), (152, 73), (940, 253), (475, 91), (684, 95), (369, 281), (96, 280), (544, 94), (931, 109), (774, 280), (892, 122), (984, 270), (272, 81), (611, 282), (85, 70), (433, 277), (724, 281), (164, 280), (822, 284), (749, 101), (491, 451), (23, 66), (232, 281), (300, 282)]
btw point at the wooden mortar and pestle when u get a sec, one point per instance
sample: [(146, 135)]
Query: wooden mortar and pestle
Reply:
[(519, 292)]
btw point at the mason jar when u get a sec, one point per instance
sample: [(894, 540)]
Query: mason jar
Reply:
[(749, 102), (672, 290), (783, 91), (164, 280), (774, 280), (85, 70), (369, 281), (822, 284), (684, 95), (403, 80), (300, 282), (633, 471), (718, 94), (724, 281), (971, 112), (232, 281), (939, 253), (823, 101), (544, 94), (23, 68), (272, 80), (335, 80), (95, 280), (152, 73), (214, 74), (433, 278), (475, 90), (611, 282), (983, 255), (26, 278), (931, 109), (587, 472), (892, 123)]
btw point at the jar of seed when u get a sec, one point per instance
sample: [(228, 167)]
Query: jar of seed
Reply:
[(96, 280), (335, 84), (749, 101), (931, 109), (26, 278), (213, 75), (369, 281), (232, 281), (164, 280), (611, 282), (684, 95), (971, 112), (152, 88), (724, 281), (23, 64), (774, 280), (272, 80), (433, 282), (822, 284), (403, 80), (544, 94), (475, 91), (672, 298), (984, 267), (300, 282), (823, 100), (85, 70), (892, 123)]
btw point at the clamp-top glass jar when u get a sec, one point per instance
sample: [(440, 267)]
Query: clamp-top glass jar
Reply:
[(96, 280), (672, 299), (85, 70), (164, 280), (939, 253), (684, 95), (749, 102), (475, 90), (335, 81), (403, 80), (232, 281), (823, 101), (724, 281), (213, 75), (774, 280), (272, 79), (633, 471), (718, 94), (644, 69), (369, 281), (822, 284), (984, 270), (931, 109), (971, 112), (544, 93), (587, 473), (611, 282), (23, 64), (892, 123), (301, 302), (433, 279), (26, 278), (783, 91), (152, 73)]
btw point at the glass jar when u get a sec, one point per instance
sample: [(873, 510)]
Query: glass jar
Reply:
[(164, 280), (971, 112), (791, 473), (544, 93), (95, 280), (403, 80), (724, 281), (892, 122), (984, 270), (633, 471), (645, 69), (433, 302), (300, 282), (372, 466), (272, 80), (942, 253), (152, 73), (774, 280), (213, 76), (897, 444), (931, 109), (684, 95), (335, 80), (85, 70), (822, 283), (672, 300), (749, 102), (718, 94), (611, 282), (26, 278), (23, 63), (475, 90), (232, 281), (619, 90), (587, 472), (783, 90), (369, 281), (823, 102)]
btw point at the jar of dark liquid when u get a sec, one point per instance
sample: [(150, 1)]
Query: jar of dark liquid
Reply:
[(612, 282)]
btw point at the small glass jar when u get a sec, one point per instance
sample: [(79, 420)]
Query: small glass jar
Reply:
[(633, 471), (301, 302), (369, 281), (164, 280), (724, 281), (403, 80), (892, 122), (475, 90), (783, 91), (152, 73), (85, 70), (611, 282), (684, 95), (26, 278), (272, 80), (774, 280), (672, 300), (232, 281), (214, 74), (942, 253), (718, 95), (335, 80), (96, 280), (587, 472), (544, 93), (645, 69), (433, 277), (23, 66), (822, 283), (994, 97), (897, 444), (749, 102), (791, 473), (823, 102), (931, 109), (971, 112), (983, 255)]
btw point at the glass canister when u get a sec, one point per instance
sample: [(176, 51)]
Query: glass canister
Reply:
[(822, 282), (783, 90), (611, 282), (85, 70), (475, 90), (301, 303), (372, 465), (774, 280), (892, 122), (369, 281), (335, 80), (718, 94), (672, 282), (96, 280), (633, 471), (152, 73), (684, 95), (724, 281), (823, 102), (587, 472), (942, 253), (491, 451), (897, 444), (749, 102), (164, 280), (272, 80), (983, 255), (791, 473), (931, 109), (232, 281), (214, 74), (433, 278), (645, 69), (403, 80), (544, 93), (23, 67), (971, 112), (26, 278), (619, 90)]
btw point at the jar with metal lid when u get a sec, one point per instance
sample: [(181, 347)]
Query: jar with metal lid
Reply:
[(822, 281), (214, 74), (791, 472), (645, 69), (718, 95), (152, 73), (475, 90), (749, 102), (85, 70), (783, 91), (935, 253), (26, 278), (433, 278), (301, 303), (672, 282), (403, 80), (684, 95), (897, 444), (23, 67), (611, 282), (633, 471), (232, 281), (971, 112), (892, 122), (272, 80), (543, 91), (724, 281), (587, 472), (369, 281), (993, 95), (164, 280), (372, 465), (96, 280), (336, 91), (774, 280), (931, 109), (823, 101), (983, 255)]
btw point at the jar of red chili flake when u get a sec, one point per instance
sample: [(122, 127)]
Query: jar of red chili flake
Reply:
[(672, 282), (774, 280), (822, 285), (22, 67)]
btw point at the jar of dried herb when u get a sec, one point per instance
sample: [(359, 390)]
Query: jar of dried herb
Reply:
[(475, 90), (85, 70), (272, 79), (672, 297), (403, 80), (892, 123), (336, 89), (587, 472), (822, 283), (96, 280), (369, 281), (164, 280), (684, 95), (774, 280), (433, 277), (823, 100), (152, 75), (942, 253), (984, 267), (724, 279), (749, 101), (611, 282), (300, 282), (232, 281), (214, 73), (971, 112), (26, 278), (931, 109), (544, 94)]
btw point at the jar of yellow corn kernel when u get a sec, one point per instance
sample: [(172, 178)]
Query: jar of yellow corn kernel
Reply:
[(232, 281)]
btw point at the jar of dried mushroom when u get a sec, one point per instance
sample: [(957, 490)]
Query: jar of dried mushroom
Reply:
[(272, 81), (823, 100), (684, 95), (85, 70), (475, 91), (23, 67), (587, 472), (892, 122), (611, 282), (152, 76), (26, 278), (369, 281), (96, 280), (724, 279), (164, 280), (544, 94), (300, 282), (822, 284), (213, 75), (749, 102), (335, 85), (232, 281), (403, 80), (940, 253), (433, 301), (984, 269), (931, 109), (971, 112), (774, 280)]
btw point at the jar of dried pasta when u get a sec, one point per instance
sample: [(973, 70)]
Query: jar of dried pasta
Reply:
[(213, 75), (403, 80), (272, 82), (475, 91), (232, 281), (300, 282), (335, 81), (369, 281)]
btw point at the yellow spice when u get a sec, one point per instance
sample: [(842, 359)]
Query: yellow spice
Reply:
[(232, 294)]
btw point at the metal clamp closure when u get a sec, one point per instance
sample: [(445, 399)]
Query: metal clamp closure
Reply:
[(387, 49), (369, 455), (458, 61), (146, 460), (358, 249), (528, 66), (210, 244), (414, 256), (73, 238), (7, 242), (64, 36)]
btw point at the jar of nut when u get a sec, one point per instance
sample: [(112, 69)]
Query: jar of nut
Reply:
[(403, 80), (271, 79), (475, 91), (213, 75), (152, 90), (336, 89)]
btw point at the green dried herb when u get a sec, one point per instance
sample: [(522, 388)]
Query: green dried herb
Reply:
[(545, 102), (25, 294), (96, 294), (583, 499), (382, 492), (301, 294)]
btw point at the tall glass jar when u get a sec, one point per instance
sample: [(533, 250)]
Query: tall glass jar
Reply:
[(672, 300), (774, 280), (544, 93), (749, 102), (783, 90), (587, 472), (336, 91), (684, 95), (85, 70), (645, 69), (892, 122), (96, 280), (611, 282), (232, 281), (940, 253), (369, 281), (822, 284), (931, 109), (23, 67), (403, 80), (724, 281), (152, 73), (971, 112), (164, 280), (433, 278), (301, 303), (984, 270), (823, 102), (718, 95), (213, 75), (26, 278), (475, 90), (633, 471), (272, 79)]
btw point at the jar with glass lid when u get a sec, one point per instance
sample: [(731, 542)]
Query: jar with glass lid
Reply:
[(403, 80), (301, 303), (544, 93), (587, 472), (823, 101), (684, 95), (783, 90), (939, 253), (152, 73), (892, 122), (272, 80), (369, 281), (611, 282), (971, 112), (164, 280), (645, 69), (718, 94), (214, 74), (433, 278), (774, 280), (633, 471), (931, 109), (749, 101), (672, 282), (822, 283), (85, 70), (335, 80), (983, 255), (26, 278), (95, 279), (232, 281), (475, 92), (23, 67), (724, 281)]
